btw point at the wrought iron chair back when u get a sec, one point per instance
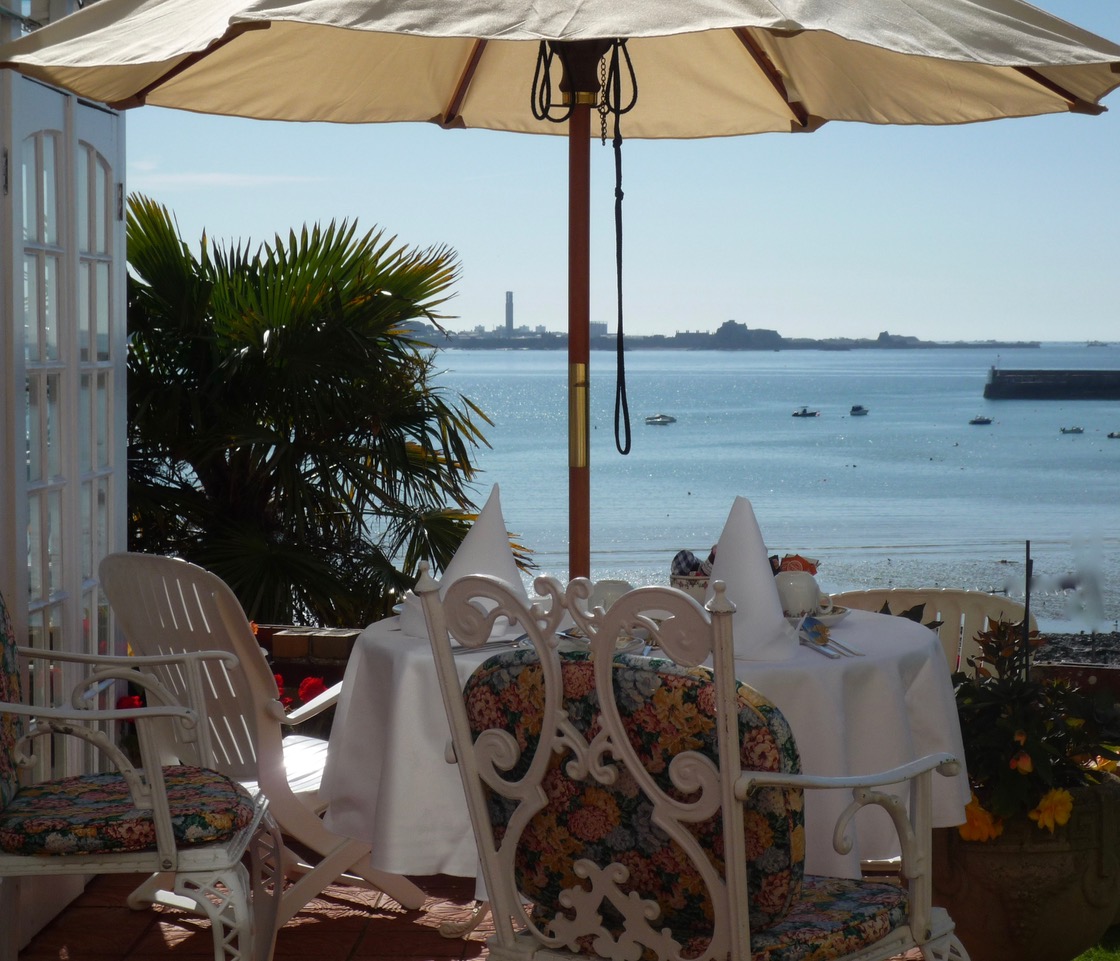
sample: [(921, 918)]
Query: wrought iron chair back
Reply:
[(630, 806)]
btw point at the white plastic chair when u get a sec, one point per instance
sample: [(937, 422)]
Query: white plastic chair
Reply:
[(616, 799), (165, 605), (963, 613), (131, 818)]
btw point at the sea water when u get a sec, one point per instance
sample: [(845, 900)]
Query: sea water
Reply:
[(909, 495)]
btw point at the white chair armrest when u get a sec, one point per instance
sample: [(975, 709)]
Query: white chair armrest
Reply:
[(81, 716), (129, 660), (315, 706), (945, 764), (914, 827)]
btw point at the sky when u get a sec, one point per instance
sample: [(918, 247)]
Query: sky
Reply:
[(1004, 230)]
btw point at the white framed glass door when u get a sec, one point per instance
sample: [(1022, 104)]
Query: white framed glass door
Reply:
[(69, 339)]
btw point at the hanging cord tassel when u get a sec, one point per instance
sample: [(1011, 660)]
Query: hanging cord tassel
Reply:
[(612, 102), (541, 95)]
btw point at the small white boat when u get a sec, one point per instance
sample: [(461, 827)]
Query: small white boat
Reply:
[(661, 419), (980, 420), (805, 412), (1114, 435), (858, 410), (1072, 430)]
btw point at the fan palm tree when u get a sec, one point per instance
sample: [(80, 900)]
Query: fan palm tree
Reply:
[(284, 429)]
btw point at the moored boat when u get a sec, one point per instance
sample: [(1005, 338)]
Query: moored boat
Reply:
[(858, 410), (805, 412), (1072, 430), (661, 419), (981, 419)]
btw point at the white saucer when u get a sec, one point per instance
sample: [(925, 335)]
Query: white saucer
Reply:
[(835, 616)]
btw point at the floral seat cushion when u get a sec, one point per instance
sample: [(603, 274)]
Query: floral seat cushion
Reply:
[(9, 723), (666, 709), (833, 916), (94, 814)]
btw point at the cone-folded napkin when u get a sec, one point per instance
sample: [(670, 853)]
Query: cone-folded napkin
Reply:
[(485, 550), (760, 629)]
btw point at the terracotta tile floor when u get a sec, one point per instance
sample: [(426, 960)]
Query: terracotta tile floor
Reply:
[(343, 924)]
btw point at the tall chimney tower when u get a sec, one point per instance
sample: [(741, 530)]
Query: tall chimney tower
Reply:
[(509, 313)]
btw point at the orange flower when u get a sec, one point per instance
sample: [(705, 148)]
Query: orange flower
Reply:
[(1020, 738), (1022, 763), (979, 825), (1053, 810)]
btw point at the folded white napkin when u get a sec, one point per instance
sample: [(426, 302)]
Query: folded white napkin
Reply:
[(485, 550), (760, 629)]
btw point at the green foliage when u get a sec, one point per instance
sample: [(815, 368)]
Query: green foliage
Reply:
[(1107, 950), (1024, 735), (284, 430)]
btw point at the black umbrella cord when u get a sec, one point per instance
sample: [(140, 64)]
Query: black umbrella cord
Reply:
[(610, 104)]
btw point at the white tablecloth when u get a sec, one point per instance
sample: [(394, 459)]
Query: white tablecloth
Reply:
[(387, 779)]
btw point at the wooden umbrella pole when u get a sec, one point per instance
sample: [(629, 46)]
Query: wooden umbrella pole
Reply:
[(579, 328)]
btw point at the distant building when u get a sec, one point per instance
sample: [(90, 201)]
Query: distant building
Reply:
[(598, 328), (509, 313)]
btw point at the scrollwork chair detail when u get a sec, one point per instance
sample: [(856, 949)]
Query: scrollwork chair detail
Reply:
[(632, 807)]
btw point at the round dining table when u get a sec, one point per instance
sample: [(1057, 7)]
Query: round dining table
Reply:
[(388, 780)]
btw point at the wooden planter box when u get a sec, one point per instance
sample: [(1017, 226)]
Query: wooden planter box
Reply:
[(299, 652), (1088, 677)]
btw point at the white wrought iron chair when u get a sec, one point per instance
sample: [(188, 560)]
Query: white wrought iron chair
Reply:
[(627, 806), (191, 824), (962, 613), (166, 606)]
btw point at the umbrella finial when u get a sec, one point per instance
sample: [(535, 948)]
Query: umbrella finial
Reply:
[(580, 59)]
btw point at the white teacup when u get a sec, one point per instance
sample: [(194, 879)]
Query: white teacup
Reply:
[(800, 595), (605, 592)]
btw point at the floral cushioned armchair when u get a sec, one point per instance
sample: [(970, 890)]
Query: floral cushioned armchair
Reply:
[(650, 807), (187, 821), (665, 709)]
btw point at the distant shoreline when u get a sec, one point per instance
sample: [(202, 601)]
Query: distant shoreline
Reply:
[(730, 336), (560, 342)]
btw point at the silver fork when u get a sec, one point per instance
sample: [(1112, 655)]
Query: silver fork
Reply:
[(844, 649)]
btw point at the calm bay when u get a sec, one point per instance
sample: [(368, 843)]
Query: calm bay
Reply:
[(909, 495)]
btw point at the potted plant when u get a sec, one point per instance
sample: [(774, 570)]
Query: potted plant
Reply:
[(1035, 869)]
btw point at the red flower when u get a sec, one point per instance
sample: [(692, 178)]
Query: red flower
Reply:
[(279, 678), (310, 688), (129, 702)]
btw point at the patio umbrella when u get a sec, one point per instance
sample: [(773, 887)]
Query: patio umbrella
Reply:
[(699, 69)]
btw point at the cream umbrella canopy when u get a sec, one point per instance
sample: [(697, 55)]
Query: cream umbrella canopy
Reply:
[(699, 69)]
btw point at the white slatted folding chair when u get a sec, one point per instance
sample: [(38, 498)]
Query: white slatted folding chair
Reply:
[(962, 614), (166, 605)]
